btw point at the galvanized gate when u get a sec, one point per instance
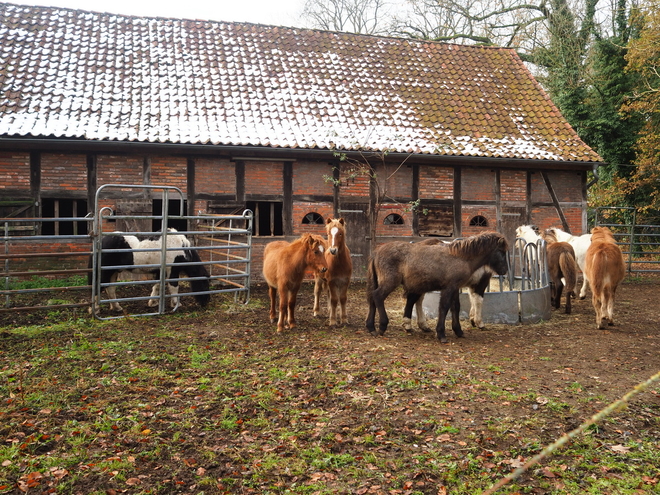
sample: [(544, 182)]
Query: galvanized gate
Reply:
[(38, 268)]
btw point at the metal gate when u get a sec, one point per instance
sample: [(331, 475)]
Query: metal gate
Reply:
[(52, 272), (640, 243)]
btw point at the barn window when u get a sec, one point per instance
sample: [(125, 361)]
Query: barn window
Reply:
[(173, 210), (59, 210), (313, 218), (267, 217), (478, 221), (393, 219)]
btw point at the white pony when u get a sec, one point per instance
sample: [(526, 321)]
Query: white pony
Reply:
[(580, 245)]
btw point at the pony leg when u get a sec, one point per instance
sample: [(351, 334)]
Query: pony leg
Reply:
[(443, 309), (422, 323), (559, 288), (290, 307), (318, 289), (272, 295), (333, 301), (284, 309), (597, 303), (174, 290), (111, 291), (411, 300), (610, 307), (476, 308), (456, 315), (155, 293), (585, 286), (377, 303), (343, 296)]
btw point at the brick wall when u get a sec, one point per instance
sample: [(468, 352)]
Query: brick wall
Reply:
[(215, 176), (567, 187), (264, 178), (436, 182), (353, 184), (63, 172), (119, 170), (396, 180), (170, 171), (312, 178), (513, 186), (478, 184), (14, 171)]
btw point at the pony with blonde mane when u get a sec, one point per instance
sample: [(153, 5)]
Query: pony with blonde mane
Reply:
[(336, 280), (605, 268)]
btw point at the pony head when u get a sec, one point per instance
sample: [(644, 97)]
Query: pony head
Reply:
[(336, 233), (315, 248), (528, 232)]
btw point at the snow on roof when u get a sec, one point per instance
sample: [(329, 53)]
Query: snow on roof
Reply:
[(74, 74)]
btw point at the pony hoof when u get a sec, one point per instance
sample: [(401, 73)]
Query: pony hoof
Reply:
[(443, 340)]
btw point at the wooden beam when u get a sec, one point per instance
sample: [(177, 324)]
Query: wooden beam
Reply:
[(555, 201)]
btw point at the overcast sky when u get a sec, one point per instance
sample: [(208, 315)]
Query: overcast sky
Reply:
[(274, 12)]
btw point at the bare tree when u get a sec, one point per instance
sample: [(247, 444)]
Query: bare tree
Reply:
[(354, 16)]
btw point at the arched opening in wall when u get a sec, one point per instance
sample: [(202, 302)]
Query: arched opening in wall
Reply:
[(393, 219), (312, 218), (478, 221)]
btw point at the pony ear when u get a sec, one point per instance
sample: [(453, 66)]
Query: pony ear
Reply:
[(328, 220), (341, 221)]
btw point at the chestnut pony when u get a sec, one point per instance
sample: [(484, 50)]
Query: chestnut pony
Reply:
[(335, 281), (284, 268), (422, 268), (605, 268), (562, 264)]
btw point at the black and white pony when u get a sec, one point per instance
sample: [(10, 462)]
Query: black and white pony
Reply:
[(145, 255)]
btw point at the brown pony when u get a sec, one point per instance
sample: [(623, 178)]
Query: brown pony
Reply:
[(340, 268), (477, 285), (422, 268), (284, 268), (562, 264), (605, 268)]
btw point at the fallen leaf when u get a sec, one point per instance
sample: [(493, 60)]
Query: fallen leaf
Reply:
[(620, 449)]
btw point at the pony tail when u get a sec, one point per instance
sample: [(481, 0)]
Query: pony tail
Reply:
[(569, 269), (372, 278)]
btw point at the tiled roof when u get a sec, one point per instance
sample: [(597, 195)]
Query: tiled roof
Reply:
[(75, 74)]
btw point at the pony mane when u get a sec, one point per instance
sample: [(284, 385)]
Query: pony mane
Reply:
[(549, 235), (602, 234), (476, 245)]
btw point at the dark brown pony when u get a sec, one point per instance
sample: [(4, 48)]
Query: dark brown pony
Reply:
[(284, 268), (562, 263), (605, 268), (477, 285), (336, 280), (422, 268)]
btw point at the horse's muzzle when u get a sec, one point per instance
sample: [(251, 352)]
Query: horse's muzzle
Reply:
[(333, 250)]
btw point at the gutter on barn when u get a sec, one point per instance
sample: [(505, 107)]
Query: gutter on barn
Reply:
[(247, 152)]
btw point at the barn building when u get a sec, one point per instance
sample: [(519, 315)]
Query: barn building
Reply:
[(403, 138)]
